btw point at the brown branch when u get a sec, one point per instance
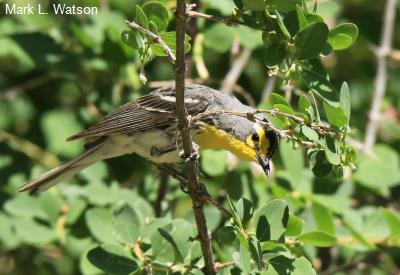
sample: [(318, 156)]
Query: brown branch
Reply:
[(382, 52), (188, 150), (154, 37)]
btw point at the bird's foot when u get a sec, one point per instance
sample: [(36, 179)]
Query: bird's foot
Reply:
[(193, 156)]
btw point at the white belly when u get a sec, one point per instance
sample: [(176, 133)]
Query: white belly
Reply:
[(154, 145)]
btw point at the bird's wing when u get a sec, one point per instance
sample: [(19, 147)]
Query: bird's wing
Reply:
[(154, 110)]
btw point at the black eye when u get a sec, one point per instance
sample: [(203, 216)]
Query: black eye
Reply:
[(255, 137)]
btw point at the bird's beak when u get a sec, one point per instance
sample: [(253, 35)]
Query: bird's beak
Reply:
[(264, 162)]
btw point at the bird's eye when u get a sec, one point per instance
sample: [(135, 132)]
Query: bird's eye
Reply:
[(255, 137)]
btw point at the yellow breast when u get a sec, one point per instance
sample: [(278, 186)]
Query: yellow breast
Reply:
[(210, 137)]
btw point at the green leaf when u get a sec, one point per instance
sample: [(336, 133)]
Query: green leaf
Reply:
[(76, 206), (255, 5), (234, 212), (112, 259), (281, 24), (248, 38), (33, 232), (170, 243), (99, 223), (256, 252), (245, 210), (213, 162), (320, 165), (238, 4), (157, 13), (274, 54), (331, 150), (242, 260), (295, 226), (219, 38), (126, 223), (380, 171), (291, 23), (153, 27), (280, 265), (141, 17), (310, 40), (24, 206), (336, 115), (284, 109), (277, 213), (305, 107), (170, 39), (358, 236), (168, 237), (8, 238), (226, 234), (301, 17), (263, 230), (292, 159), (278, 99), (313, 18), (343, 36), (303, 266), (57, 125), (345, 100), (132, 39), (393, 220), (51, 205), (323, 218), (282, 6), (284, 265), (309, 133), (320, 86), (317, 238)]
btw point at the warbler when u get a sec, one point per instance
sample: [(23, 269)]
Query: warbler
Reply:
[(148, 127)]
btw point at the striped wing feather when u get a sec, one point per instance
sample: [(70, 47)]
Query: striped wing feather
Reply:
[(154, 110)]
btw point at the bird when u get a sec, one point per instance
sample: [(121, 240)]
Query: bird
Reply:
[(147, 126)]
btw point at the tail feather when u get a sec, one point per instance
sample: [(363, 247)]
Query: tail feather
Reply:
[(61, 172)]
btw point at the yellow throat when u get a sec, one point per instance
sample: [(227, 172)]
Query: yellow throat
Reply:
[(210, 137)]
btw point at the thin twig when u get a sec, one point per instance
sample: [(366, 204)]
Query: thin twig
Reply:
[(268, 88), (30, 149), (237, 89), (219, 266), (12, 92), (156, 38), (350, 265), (381, 53), (189, 152), (229, 21), (162, 191), (235, 71)]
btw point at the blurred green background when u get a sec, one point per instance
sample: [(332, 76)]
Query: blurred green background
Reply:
[(60, 73)]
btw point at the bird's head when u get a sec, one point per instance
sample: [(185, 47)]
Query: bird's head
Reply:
[(251, 141), (262, 144)]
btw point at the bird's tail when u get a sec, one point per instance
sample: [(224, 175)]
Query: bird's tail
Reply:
[(61, 172)]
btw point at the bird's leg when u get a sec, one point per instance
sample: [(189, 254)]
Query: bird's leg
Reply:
[(181, 152)]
